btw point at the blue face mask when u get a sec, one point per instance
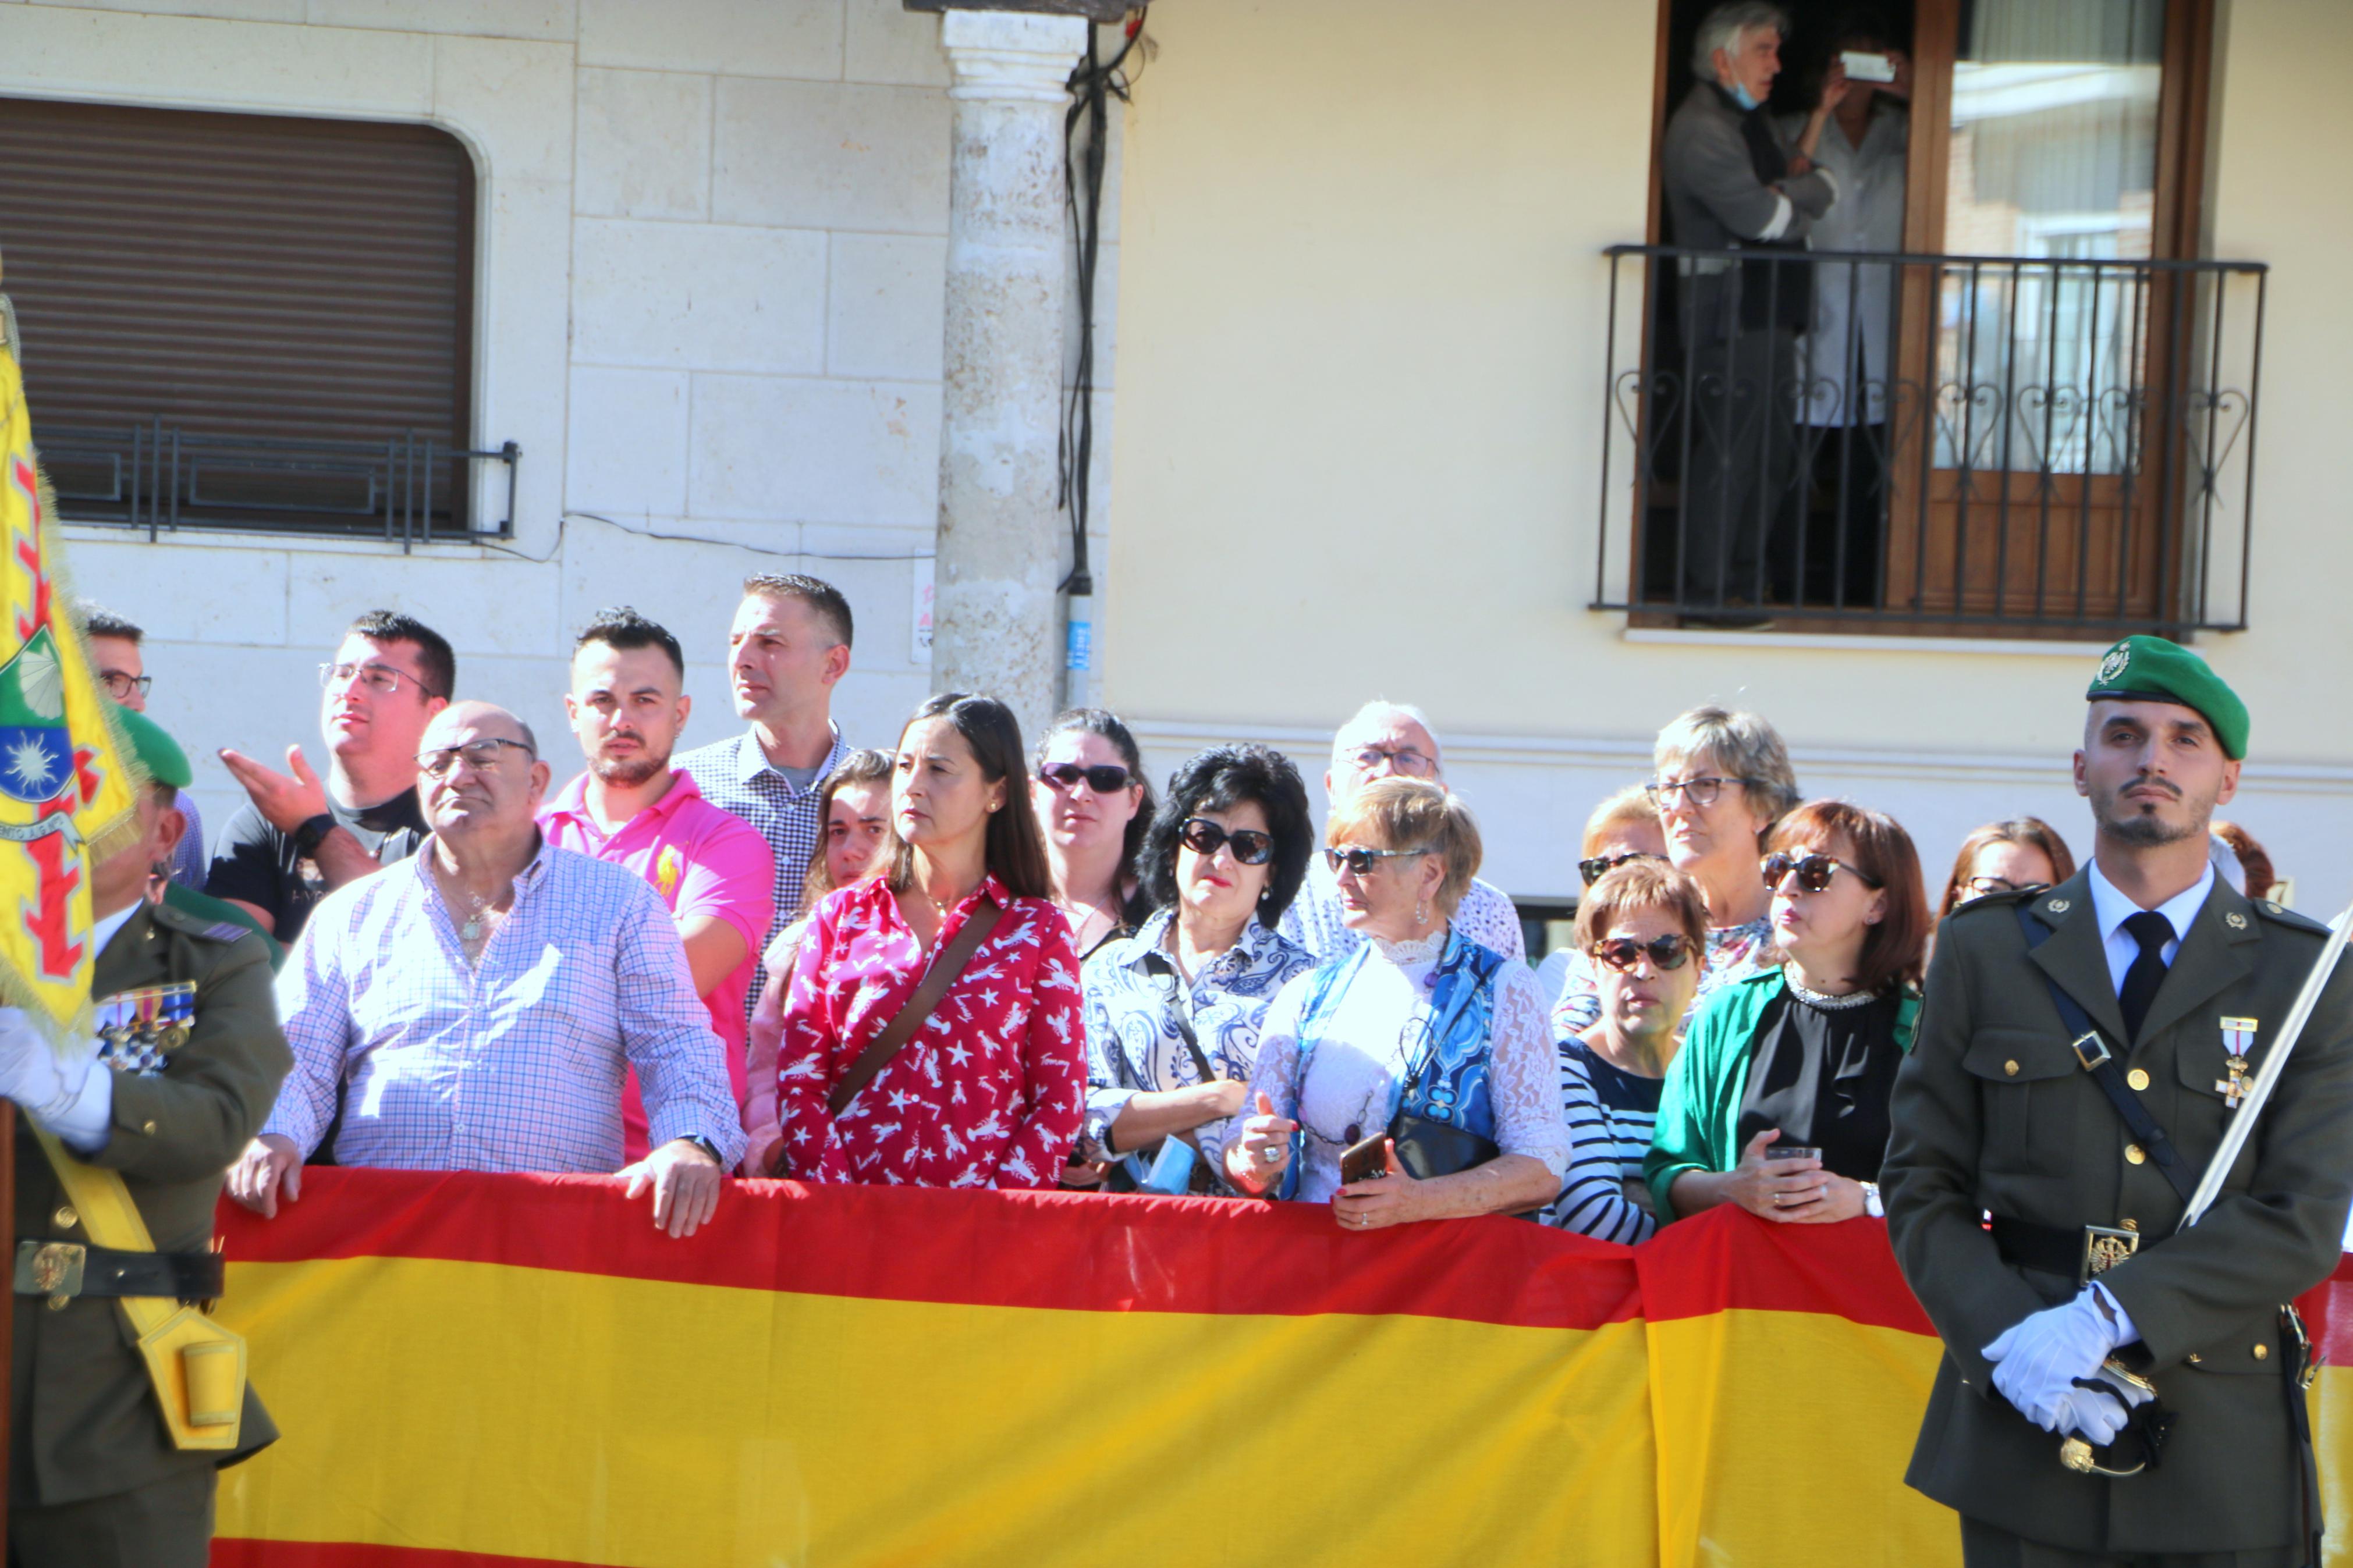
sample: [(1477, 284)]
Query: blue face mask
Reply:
[(1742, 97)]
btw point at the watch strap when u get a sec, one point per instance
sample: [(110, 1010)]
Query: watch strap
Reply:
[(310, 834)]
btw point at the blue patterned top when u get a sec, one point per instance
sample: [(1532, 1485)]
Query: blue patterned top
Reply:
[(1131, 1045)]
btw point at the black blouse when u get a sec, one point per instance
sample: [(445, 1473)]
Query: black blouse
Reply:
[(1822, 1073)]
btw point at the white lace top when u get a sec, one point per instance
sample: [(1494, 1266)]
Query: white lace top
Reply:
[(1370, 1037)]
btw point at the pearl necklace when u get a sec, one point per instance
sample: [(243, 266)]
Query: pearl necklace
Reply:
[(1822, 999)]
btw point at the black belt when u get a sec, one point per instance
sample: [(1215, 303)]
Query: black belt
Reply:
[(65, 1268), (2081, 1252)]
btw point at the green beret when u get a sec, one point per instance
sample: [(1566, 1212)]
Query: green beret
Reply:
[(2151, 669), (156, 751)]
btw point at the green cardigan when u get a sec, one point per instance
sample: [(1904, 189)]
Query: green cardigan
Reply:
[(1699, 1105)]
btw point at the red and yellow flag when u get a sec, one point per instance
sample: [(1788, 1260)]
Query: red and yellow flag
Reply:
[(66, 782)]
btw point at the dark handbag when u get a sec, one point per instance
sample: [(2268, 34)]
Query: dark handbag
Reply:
[(1427, 1148)]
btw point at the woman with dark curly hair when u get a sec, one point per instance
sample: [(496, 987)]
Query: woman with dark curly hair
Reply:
[(1173, 1011)]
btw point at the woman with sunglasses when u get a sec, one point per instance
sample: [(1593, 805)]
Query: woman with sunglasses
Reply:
[(1093, 804), (2004, 856), (1173, 1011), (1416, 1032), (1805, 1055), (1642, 926)]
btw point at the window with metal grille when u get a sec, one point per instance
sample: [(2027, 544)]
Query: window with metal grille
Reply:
[(244, 320)]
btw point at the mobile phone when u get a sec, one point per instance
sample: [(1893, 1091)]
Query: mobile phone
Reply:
[(1864, 65), (1365, 1161), (1792, 1152)]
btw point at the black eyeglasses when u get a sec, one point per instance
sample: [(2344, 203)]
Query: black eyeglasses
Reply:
[(1359, 862), (481, 753), (1979, 886), (1103, 778), (1203, 837), (1701, 792), (1814, 871), (1600, 866), (123, 686), (1672, 950)]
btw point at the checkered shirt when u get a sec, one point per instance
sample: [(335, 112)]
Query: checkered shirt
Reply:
[(1487, 916), (736, 775), (515, 1064)]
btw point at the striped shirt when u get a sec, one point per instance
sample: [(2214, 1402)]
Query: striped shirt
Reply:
[(1610, 1113)]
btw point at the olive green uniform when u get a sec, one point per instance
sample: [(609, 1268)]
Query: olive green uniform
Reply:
[(1993, 1113), (94, 1479)]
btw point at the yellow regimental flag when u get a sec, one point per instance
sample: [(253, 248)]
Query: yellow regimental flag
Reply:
[(67, 782)]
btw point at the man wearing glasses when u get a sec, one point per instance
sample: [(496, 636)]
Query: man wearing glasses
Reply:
[(475, 1007), (1389, 740), (118, 654), (300, 837)]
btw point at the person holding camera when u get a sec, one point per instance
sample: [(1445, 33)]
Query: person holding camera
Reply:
[(1411, 1080), (1802, 1057)]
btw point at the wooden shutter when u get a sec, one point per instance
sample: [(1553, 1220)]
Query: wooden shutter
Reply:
[(270, 284)]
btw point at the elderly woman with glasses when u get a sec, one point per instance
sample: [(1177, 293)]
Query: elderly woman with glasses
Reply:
[(1093, 802), (1777, 1100), (1411, 1079), (1643, 927), (1173, 1011)]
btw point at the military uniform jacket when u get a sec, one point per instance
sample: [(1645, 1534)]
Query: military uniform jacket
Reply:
[(1994, 1113), (83, 1421)]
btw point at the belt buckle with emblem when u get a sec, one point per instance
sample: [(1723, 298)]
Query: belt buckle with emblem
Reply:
[(49, 1267), (2104, 1246)]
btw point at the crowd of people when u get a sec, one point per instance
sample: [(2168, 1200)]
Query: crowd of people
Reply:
[(964, 960)]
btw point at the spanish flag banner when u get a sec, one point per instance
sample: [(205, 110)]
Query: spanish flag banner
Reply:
[(475, 1369), (66, 785)]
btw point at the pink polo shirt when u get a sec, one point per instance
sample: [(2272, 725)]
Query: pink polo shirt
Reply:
[(703, 860)]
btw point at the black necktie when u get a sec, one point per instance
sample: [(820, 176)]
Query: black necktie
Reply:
[(2152, 930)]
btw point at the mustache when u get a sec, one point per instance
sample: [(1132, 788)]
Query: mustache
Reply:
[(2150, 781)]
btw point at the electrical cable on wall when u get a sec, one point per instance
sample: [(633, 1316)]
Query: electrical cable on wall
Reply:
[(561, 523)]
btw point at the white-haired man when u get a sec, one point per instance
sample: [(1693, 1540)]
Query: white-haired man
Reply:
[(1390, 740)]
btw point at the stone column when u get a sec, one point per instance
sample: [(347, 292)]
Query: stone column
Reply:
[(995, 625)]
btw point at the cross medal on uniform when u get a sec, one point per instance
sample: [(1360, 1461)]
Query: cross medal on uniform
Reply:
[(2238, 1034)]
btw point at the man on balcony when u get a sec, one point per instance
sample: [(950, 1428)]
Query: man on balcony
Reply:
[(1732, 182)]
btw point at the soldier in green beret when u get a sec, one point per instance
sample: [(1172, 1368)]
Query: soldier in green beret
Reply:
[(2083, 1050), (185, 1066)]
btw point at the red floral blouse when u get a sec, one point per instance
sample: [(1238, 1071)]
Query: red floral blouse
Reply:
[(989, 1092)]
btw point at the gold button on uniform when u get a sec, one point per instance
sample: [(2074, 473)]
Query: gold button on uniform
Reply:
[(57, 1303), (2137, 1078), (65, 1217), (148, 1128), (2194, 1359), (2128, 1225), (2010, 1070), (2262, 1352), (2133, 1154)]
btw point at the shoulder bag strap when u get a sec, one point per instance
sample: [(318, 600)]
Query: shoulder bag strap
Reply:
[(946, 964), (2092, 1052), (1172, 994)]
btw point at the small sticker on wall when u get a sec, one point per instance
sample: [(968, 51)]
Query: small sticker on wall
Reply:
[(919, 645)]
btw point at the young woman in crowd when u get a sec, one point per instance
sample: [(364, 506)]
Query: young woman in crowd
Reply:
[(1643, 927), (1803, 1055), (854, 840), (1093, 804), (2019, 852), (1419, 1031), (1173, 1011), (1624, 827), (1722, 781), (994, 1098)]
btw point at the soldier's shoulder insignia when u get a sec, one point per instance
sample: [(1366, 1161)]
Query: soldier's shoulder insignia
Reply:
[(138, 1030), (2280, 914), (225, 930)]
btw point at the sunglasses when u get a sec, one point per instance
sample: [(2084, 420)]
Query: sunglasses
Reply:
[(1600, 866), (1814, 871), (1359, 862), (1203, 837), (1103, 778), (1672, 950), (1979, 886)]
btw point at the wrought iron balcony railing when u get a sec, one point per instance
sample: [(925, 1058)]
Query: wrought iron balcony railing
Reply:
[(2052, 446), (408, 487)]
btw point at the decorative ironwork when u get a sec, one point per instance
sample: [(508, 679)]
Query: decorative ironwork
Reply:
[(2056, 445), (408, 487)]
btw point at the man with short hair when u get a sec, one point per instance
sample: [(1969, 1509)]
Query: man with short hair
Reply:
[(788, 647), (118, 657), (481, 1001), (1388, 739), (631, 807), (302, 837), (2082, 1053)]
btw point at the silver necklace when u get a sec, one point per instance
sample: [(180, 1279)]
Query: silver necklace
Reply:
[(1822, 999)]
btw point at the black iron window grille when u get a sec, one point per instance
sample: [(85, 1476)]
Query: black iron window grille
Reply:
[(2056, 445), (406, 488)]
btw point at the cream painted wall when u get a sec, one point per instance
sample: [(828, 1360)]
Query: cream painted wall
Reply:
[(1361, 339)]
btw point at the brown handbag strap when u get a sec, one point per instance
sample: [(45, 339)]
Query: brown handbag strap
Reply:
[(946, 964)]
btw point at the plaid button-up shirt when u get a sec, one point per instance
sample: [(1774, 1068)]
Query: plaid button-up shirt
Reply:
[(735, 774), (515, 1064)]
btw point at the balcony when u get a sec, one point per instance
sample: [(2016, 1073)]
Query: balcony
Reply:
[(2054, 446)]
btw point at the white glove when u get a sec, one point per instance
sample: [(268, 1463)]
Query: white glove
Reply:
[(66, 1094), (2090, 1414), (2037, 1359)]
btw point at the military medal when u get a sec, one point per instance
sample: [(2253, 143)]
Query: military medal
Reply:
[(138, 1030), (2238, 1034)]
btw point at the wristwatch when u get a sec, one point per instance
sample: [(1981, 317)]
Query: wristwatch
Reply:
[(706, 1146), (1871, 1203), (310, 834)]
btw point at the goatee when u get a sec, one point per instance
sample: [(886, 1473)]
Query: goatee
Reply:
[(629, 773)]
